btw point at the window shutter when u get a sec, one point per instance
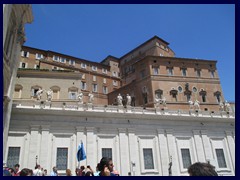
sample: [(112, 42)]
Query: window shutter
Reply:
[(27, 54), (22, 53), (20, 65), (36, 56)]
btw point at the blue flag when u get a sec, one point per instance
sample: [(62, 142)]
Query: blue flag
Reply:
[(81, 155)]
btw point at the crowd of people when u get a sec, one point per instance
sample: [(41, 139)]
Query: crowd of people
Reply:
[(104, 168)]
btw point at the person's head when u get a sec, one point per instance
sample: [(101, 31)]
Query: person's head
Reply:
[(82, 168), (202, 169), (77, 171), (106, 162), (55, 169), (17, 166), (68, 172), (45, 171), (88, 173), (25, 172)]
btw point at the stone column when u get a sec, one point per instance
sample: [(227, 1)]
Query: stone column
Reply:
[(90, 147), (172, 152), (206, 145), (133, 151), (231, 147), (43, 156), (198, 146), (33, 147), (163, 149), (124, 152)]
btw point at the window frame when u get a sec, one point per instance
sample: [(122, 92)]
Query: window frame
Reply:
[(58, 166), (94, 68), (94, 87)]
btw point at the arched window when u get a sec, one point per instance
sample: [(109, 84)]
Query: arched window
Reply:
[(203, 94), (159, 93), (174, 94), (56, 92), (218, 96), (34, 90), (17, 91), (188, 94), (72, 92)]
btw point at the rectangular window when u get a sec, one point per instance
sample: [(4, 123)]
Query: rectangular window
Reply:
[(36, 66), (62, 60), (13, 156), (203, 98), (72, 95), (105, 90), (104, 80), (83, 85), (107, 152), (94, 87), (104, 71), (34, 91), (83, 76), (198, 71), (221, 158), (170, 71), (55, 58), (83, 65), (148, 158), (62, 158), (54, 68), (184, 72), (114, 74), (94, 78), (186, 159), (25, 54), (39, 56), (188, 97), (212, 74), (155, 71), (142, 73), (115, 83), (23, 65), (94, 68), (71, 62)]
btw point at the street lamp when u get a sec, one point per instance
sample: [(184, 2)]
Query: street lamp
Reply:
[(36, 159)]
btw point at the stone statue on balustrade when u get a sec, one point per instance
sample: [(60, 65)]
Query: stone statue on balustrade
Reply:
[(196, 105), (91, 98), (129, 100), (227, 107), (164, 102), (190, 104), (221, 106), (80, 98), (157, 102), (49, 95), (39, 93), (119, 100)]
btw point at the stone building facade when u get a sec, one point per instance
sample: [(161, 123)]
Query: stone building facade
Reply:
[(143, 137), (141, 143)]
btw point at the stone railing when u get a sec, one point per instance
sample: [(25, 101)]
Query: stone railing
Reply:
[(72, 105)]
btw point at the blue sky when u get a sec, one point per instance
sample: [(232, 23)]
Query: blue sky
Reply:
[(93, 32)]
